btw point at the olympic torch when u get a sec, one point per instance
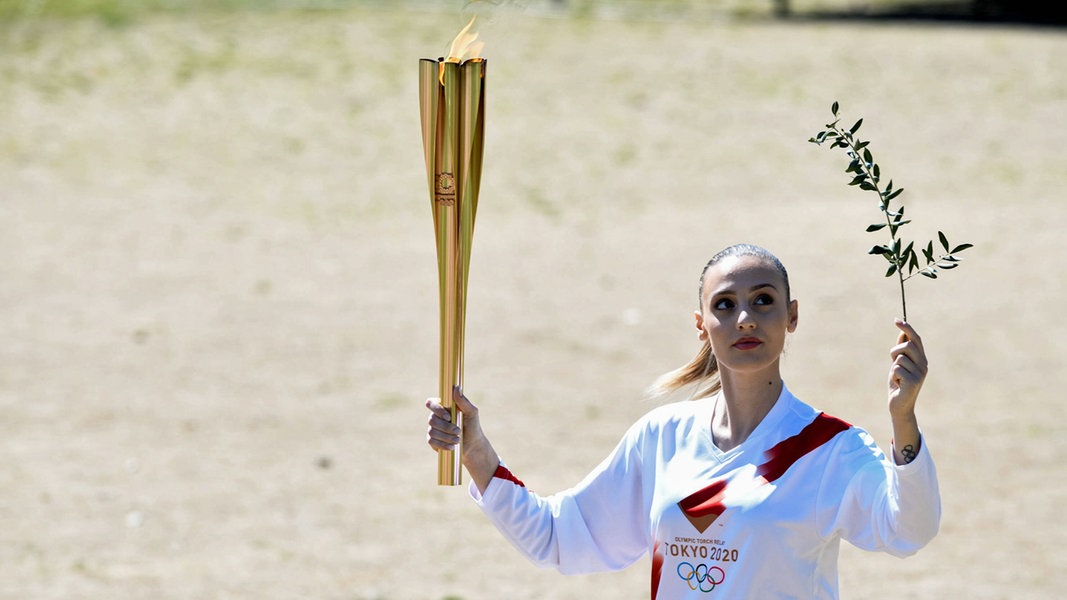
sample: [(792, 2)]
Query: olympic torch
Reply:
[(452, 109)]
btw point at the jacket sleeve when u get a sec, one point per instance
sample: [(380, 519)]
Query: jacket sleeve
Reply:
[(601, 524), (883, 506)]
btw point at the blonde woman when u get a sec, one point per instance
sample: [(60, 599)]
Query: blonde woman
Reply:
[(745, 491)]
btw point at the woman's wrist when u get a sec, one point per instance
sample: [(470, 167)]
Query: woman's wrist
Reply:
[(481, 461)]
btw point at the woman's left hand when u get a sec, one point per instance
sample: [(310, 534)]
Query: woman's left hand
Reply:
[(907, 373)]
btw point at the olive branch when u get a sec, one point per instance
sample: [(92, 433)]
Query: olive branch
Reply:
[(867, 175)]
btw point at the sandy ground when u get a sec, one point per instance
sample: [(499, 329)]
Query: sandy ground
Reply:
[(218, 286)]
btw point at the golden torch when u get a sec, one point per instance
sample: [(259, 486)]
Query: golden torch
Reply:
[(452, 107)]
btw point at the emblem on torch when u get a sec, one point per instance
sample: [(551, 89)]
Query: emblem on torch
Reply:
[(445, 190), (452, 109)]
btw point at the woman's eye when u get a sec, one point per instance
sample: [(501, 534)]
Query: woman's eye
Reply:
[(723, 304), (764, 299)]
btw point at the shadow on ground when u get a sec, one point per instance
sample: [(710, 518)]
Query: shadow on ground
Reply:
[(1020, 12)]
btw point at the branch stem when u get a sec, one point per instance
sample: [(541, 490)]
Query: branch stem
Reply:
[(897, 258)]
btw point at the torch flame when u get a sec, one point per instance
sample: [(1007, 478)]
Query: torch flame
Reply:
[(465, 46)]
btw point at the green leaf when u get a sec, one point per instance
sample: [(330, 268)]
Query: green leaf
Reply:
[(892, 269), (833, 108), (947, 266), (929, 253), (822, 136), (961, 248), (867, 156), (858, 179), (930, 274), (856, 127), (877, 172), (875, 227), (944, 240), (894, 194), (868, 186), (879, 250), (913, 264)]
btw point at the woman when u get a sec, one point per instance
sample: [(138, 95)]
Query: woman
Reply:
[(745, 491)]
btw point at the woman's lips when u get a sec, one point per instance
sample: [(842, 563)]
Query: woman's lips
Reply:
[(747, 343)]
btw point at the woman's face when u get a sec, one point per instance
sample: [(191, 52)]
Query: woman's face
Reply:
[(745, 314)]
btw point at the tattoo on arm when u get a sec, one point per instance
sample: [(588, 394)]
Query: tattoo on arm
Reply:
[(908, 452)]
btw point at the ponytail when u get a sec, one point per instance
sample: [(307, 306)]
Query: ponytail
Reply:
[(702, 370)]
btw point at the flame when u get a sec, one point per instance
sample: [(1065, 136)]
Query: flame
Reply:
[(465, 46)]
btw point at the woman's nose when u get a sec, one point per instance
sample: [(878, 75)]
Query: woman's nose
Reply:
[(745, 320)]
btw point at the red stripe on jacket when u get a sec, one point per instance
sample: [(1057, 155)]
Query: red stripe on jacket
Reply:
[(790, 450), (502, 472), (704, 505)]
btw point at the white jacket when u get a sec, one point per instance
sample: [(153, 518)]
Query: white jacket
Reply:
[(763, 520)]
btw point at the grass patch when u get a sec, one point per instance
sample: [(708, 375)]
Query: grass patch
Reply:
[(122, 12)]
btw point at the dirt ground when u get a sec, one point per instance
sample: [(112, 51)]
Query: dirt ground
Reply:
[(219, 306)]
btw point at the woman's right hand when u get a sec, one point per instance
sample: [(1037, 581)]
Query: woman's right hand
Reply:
[(478, 455)]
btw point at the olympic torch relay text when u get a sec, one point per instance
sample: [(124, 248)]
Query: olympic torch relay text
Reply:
[(452, 110)]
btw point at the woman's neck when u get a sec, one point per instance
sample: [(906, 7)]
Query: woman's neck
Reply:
[(741, 407)]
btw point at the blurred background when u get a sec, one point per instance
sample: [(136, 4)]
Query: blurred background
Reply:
[(218, 294)]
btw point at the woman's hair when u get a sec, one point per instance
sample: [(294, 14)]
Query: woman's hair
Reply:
[(703, 369)]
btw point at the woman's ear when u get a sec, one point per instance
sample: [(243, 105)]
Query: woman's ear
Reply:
[(793, 316), (703, 335)]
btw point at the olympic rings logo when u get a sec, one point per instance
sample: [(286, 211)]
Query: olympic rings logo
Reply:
[(701, 577)]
